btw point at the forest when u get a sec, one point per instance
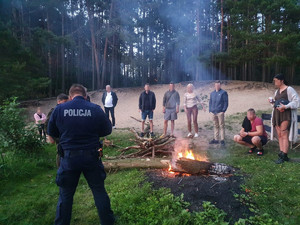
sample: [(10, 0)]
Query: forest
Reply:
[(47, 45)]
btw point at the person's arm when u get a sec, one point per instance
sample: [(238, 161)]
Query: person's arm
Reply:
[(164, 102), (140, 102), (52, 129), (225, 100), (293, 98), (259, 131), (103, 98), (177, 102), (116, 98), (154, 101), (105, 127), (210, 103), (184, 101)]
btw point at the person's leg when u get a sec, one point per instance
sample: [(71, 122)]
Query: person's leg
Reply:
[(284, 127), (238, 139), (189, 119), (166, 127), (278, 130), (67, 182), (151, 120), (106, 111), (40, 131), (95, 178), (43, 130), (257, 142), (143, 126), (216, 127), (112, 113), (172, 126), (195, 117), (221, 125)]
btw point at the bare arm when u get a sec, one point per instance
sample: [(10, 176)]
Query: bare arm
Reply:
[(259, 131)]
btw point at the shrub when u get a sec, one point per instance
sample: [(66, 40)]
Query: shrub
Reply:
[(14, 134)]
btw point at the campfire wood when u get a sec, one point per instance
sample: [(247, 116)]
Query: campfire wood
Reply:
[(192, 166), (147, 146)]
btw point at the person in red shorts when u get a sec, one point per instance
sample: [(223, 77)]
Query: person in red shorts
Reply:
[(252, 134)]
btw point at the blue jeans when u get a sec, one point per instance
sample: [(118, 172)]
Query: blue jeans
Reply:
[(71, 166)]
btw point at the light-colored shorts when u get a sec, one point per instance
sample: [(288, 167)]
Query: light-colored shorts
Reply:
[(170, 114)]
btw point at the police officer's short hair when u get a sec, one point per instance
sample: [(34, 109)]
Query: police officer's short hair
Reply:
[(62, 97), (77, 89)]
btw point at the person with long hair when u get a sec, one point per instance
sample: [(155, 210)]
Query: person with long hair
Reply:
[(284, 116), (191, 101)]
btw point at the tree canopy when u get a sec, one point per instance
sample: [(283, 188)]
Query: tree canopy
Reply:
[(46, 45)]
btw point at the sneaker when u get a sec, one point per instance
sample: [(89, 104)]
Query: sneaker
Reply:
[(213, 141), (114, 127), (222, 143), (260, 152), (152, 135), (189, 135), (252, 150), (196, 135), (142, 134)]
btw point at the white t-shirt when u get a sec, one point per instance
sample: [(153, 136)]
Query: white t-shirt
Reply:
[(108, 100)]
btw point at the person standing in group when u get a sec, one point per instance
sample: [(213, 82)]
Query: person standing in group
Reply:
[(60, 99), (40, 119), (79, 124), (191, 102), (218, 104), (147, 104), (110, 100), (284, 116), (171, 102)]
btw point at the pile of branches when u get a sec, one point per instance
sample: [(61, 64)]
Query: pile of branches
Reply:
[(148, 146)]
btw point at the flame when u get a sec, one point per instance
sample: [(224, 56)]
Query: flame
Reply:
[(170, 168), (187, 154)]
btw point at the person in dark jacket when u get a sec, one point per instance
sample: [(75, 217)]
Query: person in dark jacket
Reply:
[(79, 124), (218, 104), (147, 104), (110, 100)]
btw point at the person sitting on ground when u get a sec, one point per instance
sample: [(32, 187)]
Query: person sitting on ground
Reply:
[(40, 119), (253, 133)]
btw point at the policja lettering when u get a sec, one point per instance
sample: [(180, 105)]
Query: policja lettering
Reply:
[(77, 112)]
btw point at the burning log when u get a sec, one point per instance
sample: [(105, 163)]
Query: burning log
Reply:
[(192, 166)]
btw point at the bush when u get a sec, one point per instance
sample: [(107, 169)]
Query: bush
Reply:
[(14, 134)]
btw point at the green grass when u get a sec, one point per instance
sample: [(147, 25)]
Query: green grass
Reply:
[(28, 193)]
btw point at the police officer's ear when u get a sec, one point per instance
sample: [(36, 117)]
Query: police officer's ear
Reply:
[(70, 98)]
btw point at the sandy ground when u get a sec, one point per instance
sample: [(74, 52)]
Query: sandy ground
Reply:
[(242, 96)]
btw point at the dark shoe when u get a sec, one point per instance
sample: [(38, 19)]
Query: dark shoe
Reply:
[(213, 141), (252, 150), (222, 143), (260, 152), (282, 158), (142, 134), (280, 154), (152, 135)]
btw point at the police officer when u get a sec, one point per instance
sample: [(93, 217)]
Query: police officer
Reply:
[(79, 124)]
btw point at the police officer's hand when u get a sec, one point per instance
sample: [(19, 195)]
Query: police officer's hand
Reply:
[(100, 150)]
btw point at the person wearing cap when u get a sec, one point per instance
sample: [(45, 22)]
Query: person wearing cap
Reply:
[(218, 104), (79, 124), (171, 102), (284, 116)]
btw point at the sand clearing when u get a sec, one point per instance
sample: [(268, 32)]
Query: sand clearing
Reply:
[(242, 96)]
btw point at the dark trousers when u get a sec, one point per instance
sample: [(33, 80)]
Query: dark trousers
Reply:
[(112, 113), (41, 128), (71, 166)]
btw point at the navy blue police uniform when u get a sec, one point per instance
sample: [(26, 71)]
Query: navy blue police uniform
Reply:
[(79, 124)]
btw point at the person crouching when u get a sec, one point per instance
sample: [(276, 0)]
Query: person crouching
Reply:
[(252, 134)]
